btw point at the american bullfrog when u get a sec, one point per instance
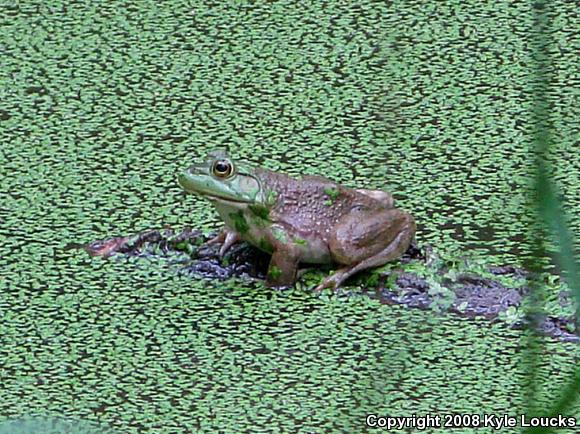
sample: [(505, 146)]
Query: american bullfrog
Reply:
[(311, 219)]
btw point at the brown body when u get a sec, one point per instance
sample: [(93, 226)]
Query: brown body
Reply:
[(310, 220)]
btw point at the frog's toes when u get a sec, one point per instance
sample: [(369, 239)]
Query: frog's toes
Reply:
[(331, 282)]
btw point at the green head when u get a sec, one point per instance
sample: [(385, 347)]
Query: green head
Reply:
[(219, 179)]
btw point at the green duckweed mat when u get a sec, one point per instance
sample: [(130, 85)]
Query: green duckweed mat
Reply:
[(102, 103)]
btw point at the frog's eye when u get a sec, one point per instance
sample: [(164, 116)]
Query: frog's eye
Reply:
[(222, 168)]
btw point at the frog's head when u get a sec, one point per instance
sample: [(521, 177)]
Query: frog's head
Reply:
[(221, 180)]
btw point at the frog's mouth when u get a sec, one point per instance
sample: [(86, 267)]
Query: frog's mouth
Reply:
[(217, 198), (212, 197)]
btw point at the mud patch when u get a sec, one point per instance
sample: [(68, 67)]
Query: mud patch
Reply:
[(443, 289)]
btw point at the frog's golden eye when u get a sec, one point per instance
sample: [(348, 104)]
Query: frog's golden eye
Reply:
[(222, 168)]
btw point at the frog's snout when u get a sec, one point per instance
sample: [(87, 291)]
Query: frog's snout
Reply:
[(182, 179)]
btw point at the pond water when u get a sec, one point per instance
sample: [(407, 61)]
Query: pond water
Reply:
[(101, 106)]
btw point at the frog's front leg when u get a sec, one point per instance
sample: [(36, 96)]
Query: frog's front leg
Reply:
[(367, 239), (282, 269)]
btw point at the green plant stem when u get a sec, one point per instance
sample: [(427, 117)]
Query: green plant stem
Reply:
[(550, 219)]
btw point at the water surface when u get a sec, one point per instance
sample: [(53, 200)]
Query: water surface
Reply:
[(102, 104)]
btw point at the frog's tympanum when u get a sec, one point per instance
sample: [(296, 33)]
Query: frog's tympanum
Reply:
[(307, 220)]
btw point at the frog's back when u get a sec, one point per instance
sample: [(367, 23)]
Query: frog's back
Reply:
[(312, 204)]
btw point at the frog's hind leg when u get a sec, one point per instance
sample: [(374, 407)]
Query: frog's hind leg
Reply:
[(382, 196), (367, 240)]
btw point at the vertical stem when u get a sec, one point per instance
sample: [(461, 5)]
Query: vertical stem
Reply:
[(541, 139), (546, 207)]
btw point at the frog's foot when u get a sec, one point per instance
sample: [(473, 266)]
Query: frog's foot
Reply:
[(231, 239), (333, 281), (339, 276), (218, 239), (227, 238)]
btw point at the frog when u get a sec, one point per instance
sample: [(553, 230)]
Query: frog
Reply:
[(308, 219)]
